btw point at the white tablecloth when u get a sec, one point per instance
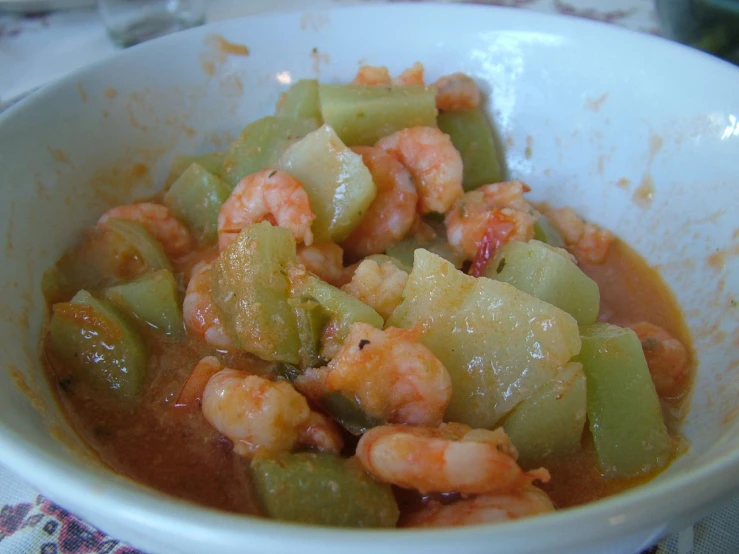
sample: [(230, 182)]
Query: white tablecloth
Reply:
[(38, 49)]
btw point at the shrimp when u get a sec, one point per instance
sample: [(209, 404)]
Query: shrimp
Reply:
[(452, 458), (587, 241), (199, 312), (457, 92), (568, 223), (434, 163), (262, 415), (497, 211), (594, 243), (488, 508), (269, 195), (326, 260), (392, 212), (160, 222), (411, 76), (372, 75), (379, 286), (379, 75), (392, 376), (667, 359), (322, 433)]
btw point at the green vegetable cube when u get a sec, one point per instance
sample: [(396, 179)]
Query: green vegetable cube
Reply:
[(363, 114), (301, 101), (260, 145), (347, 412), (196, 198), (322, 489), (96, 342), (623, 408), (112, 253), (338, 184), (151, 298), (211, 162), (343, 309), (472, 134), (312, 320), (251, 291), (499, 344), (549, 275), (549, 423), (138, 238), (318, 304)]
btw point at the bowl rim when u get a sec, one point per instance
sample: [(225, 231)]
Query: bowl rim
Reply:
[(129, 501)]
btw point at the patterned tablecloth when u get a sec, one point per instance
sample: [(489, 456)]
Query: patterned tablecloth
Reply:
[(38, 48)]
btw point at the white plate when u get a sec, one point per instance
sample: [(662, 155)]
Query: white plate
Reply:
[(601, 111)]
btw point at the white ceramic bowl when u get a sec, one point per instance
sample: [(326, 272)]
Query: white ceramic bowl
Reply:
[(603, 114)]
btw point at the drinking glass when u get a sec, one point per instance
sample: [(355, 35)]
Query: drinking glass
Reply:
[(132, 21)]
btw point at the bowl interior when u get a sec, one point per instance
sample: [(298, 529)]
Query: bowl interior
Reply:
[(587, 118)]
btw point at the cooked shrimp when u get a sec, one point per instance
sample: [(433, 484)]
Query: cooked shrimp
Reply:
[(452, 458), (594, 244), (411, 76), (262, 415), (390, 374), (326, 260), (568, 223), (587, 241), (488, 508), (320, 432), (457, 92), (372, 75), (498, 211), (254, 412), (391, 214), (330, 343), (198, 310), (269, 195), (379, 75), (667, 359), (159, 221), (378, 286), (434, 163)]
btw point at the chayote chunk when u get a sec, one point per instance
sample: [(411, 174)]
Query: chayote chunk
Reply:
[(623, 407), (195, 198), (251, 291), (339, 186), (499, 344), (549, 423), (93, 340), (549, 275), (110, 253), (152, 299), (322, 489)]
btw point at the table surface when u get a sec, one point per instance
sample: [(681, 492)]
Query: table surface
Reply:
[(39, 48)]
